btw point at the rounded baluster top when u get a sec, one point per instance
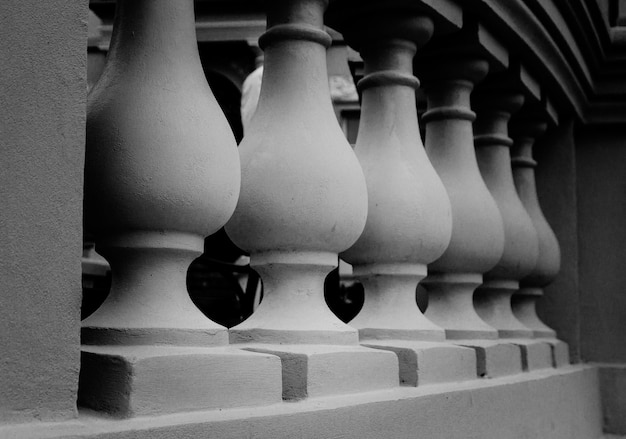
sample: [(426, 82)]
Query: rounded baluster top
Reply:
[(451, 59), (367, 28), (494, 109)]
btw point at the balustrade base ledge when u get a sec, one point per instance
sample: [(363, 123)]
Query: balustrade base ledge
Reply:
[(548, 403)]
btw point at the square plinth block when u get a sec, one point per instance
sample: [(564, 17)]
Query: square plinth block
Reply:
[(321, 370), (127, 381), (536, 354), (560, 351), (423, 363), (495, 358)]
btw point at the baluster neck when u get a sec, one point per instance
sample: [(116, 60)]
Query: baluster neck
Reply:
[(144, 28)]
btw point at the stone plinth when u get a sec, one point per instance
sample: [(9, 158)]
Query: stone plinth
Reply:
[(322, 370), (126, 381), (423, 362)]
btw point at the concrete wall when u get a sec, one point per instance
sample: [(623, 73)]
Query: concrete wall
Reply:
[(547, 404), (601, 171), (42, 117)]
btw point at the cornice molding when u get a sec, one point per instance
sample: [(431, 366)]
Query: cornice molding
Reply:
[(568, 47)]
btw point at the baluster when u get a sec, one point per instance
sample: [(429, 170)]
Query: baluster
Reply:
[(409, 221), (303, 200), (525, 131), (450, 72), (495, 104), (162, 172)]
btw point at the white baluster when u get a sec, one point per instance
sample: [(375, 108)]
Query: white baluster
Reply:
[(409, 220), (162, 172), (494, 104), (524, 132), (450, 72), (303, 200)]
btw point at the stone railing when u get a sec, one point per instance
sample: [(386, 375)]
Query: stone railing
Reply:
[(457, 214), (436, 208)]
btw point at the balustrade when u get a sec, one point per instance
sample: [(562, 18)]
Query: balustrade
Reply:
[(450, 70), (159, 179), (525, 130), (495, 103), (162, 172), (409, 220), (303, 200)]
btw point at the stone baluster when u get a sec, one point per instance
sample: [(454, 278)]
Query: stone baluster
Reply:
[(495, 103), (524, 132), (409, 220), (450, 71), (161, 173), (303, 200)]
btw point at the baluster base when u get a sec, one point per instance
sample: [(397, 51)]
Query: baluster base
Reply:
[(450, 306), (492, 301), (128, 381), (423, 363), (524, 304), (321, 370), (148, 303), (293, 309), (390, 310)]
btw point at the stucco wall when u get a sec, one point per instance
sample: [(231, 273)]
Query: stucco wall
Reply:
[(42, 117), (601, 189), (601, 168)]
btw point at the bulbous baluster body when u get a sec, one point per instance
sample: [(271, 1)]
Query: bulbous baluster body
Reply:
[(493, 299), (162, 172), (158, 176), (303, 197), (409, 220), (477, 236), (548, 260)]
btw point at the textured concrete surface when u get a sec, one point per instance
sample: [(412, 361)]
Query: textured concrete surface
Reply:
[(424, 363), (536, 354), (560, 352), (548, 404), (495, 358), (601, 192), (321, 370), (613, 393), (42, 138), (126, 381)]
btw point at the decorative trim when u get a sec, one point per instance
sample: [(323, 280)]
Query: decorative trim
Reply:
[(304, 32), (388, 77), (451, 112)]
